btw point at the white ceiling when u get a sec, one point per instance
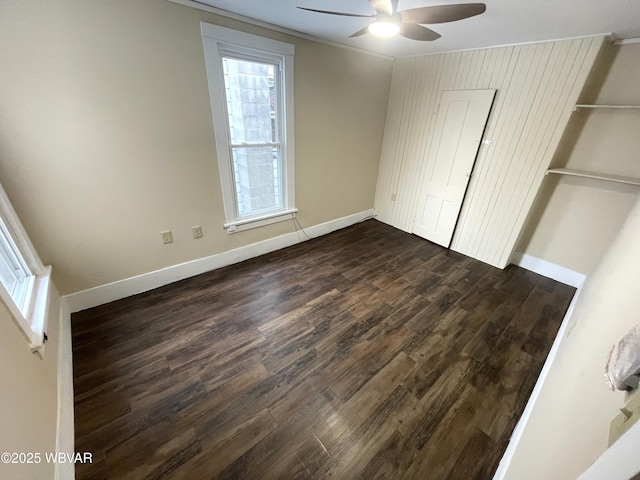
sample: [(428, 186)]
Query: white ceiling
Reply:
[(505, 22)]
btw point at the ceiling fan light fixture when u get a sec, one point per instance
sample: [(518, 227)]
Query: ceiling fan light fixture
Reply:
[(389, 21), (384, 28)]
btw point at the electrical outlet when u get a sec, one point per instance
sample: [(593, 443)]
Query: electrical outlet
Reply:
[(166, 236), (196, 231)]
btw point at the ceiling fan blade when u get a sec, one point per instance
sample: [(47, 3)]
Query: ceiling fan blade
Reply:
[(442, 13), (336, 13), (418, 32), (384, 6), (361, 32)]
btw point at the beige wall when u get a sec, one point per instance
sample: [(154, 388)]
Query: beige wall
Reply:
[(569, 425), (28, 395), (107, 137), (577, 219)]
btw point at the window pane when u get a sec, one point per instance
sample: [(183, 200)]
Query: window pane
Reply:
[(258, 179), (14, 274), (250, 91)]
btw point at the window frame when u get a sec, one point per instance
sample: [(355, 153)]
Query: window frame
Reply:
[(31, 315), (217, 43)]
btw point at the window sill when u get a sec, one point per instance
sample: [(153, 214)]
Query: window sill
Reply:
[(33, 322), (37, 317), (255, 222)]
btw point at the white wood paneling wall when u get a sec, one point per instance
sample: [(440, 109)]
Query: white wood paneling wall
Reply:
[(538, 85)]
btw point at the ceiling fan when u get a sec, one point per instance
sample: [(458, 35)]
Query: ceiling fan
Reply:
[(388, 21)]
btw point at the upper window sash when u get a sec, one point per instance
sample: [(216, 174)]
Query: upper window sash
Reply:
[(240, 53), (16, 275)]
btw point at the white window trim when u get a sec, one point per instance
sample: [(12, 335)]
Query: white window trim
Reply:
[(212, 37), (33, 322)]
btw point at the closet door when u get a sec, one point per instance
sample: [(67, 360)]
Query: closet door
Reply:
[(460, 124)]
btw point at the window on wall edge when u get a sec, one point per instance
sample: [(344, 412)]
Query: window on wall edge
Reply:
[(250, 81), (24, 281)]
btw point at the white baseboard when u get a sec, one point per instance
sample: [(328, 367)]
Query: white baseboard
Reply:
[(548, 269), (65, 440), (524, 419), (102, 294)]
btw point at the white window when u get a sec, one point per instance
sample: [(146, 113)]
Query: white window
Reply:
[(24, 280), (251, 91)]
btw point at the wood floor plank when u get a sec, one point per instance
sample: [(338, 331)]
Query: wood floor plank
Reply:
[(483, 344), (359, 374), (353, 452), (216, 455), (444, 445), (357, 410), (169, 452), (390, 460), (539, 340), (467, 465), (312, 453), (366, 353), (434, 357), (280, 446), (424, 419)]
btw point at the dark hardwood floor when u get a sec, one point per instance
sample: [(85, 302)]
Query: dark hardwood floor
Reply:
[(365, 354)]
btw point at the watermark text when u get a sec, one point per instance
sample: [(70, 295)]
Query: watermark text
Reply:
[(46, 457)]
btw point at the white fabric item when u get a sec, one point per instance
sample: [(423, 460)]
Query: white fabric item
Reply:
[(623, 366)]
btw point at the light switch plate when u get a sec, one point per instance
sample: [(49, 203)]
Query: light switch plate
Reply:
[(625, 419)]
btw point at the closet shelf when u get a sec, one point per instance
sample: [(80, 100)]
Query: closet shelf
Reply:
[(595, 175), (623, 107)]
